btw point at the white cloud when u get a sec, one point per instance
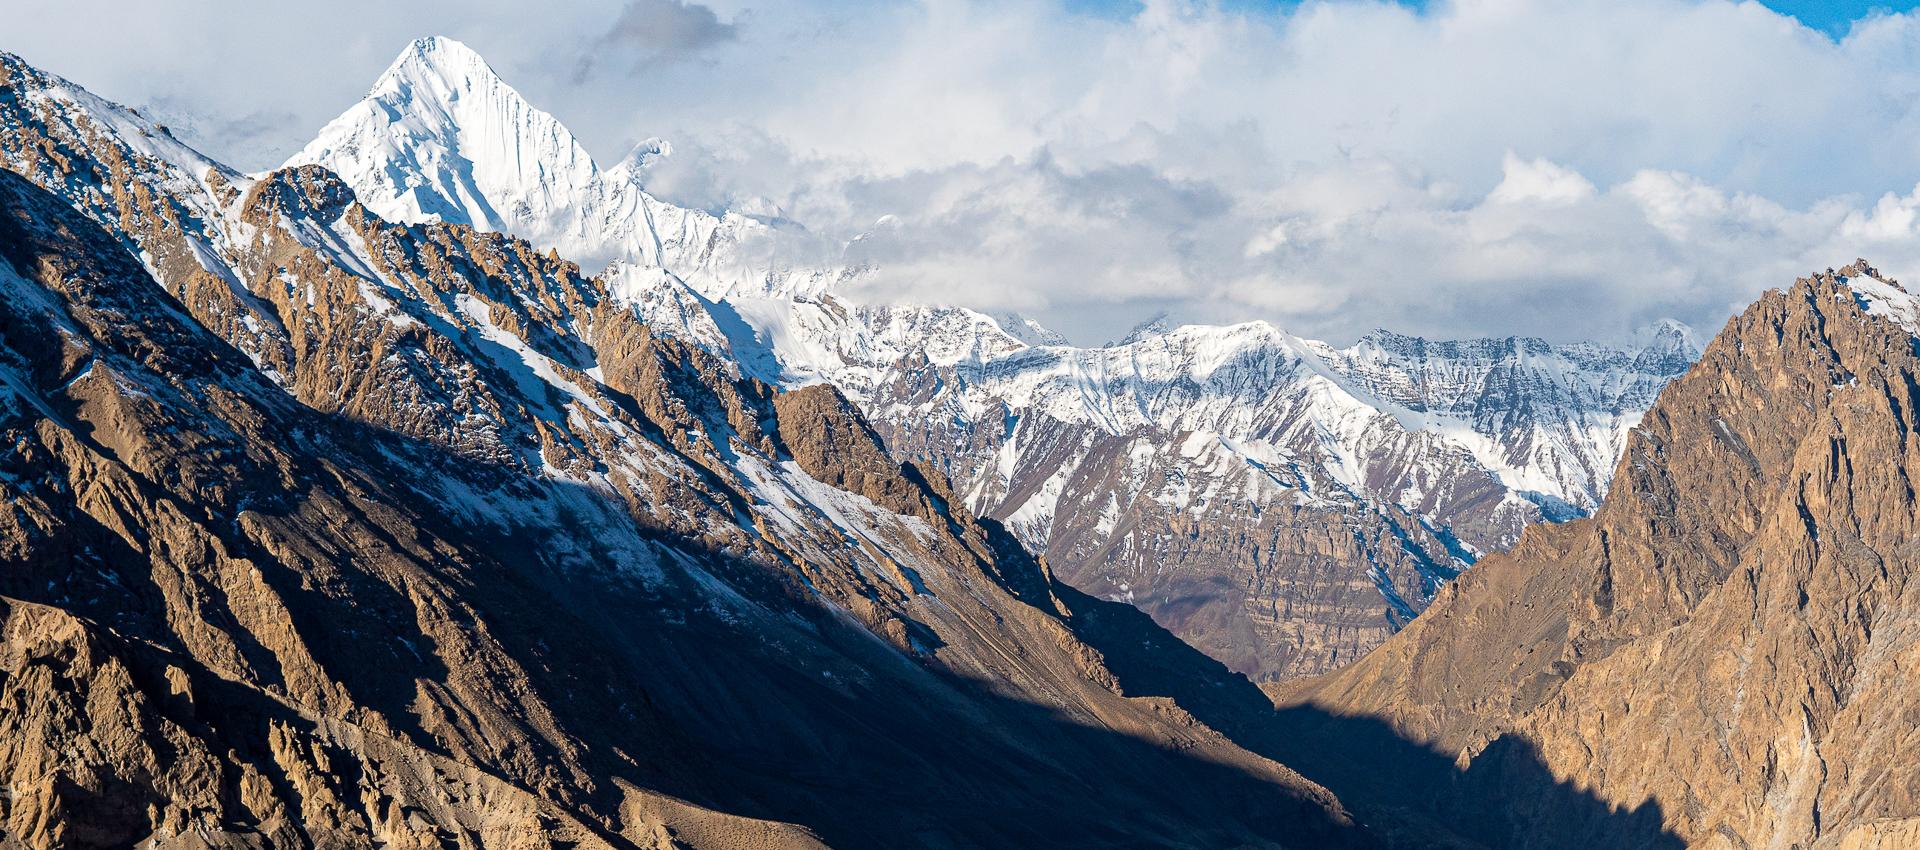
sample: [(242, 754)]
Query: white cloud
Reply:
[(1539, 181), (1560, 167)]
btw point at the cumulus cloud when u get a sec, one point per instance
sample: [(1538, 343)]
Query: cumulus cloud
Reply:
[(1539, 181), (1568, 168)]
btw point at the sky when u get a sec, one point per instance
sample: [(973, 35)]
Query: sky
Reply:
[(1833, 17), (1561, 168)]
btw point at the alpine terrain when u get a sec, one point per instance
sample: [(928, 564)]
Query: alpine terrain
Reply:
[(1280, 503), (442, 489)]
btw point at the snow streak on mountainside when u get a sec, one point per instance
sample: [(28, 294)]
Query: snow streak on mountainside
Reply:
[(1283, 503)]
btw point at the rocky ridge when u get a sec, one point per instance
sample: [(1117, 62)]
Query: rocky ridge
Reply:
[(1726, 648)]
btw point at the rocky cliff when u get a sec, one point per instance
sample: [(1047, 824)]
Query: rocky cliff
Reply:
[(1727, 647)]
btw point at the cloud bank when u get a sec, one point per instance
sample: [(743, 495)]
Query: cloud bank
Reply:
[(1558, 168)]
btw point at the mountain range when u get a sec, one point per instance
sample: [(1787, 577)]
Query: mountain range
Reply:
[(347, 507), (1337, 488)]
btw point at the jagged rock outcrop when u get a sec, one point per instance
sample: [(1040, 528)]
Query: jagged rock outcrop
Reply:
[(431, 544), (1727, 647)]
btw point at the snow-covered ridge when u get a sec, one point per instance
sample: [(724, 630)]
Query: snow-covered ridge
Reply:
[(148, 149), (1391, 419), (1881, 296), (1545, 421)]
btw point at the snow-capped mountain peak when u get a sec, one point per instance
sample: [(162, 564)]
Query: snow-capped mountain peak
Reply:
[(1668, 336), (1880, 296), (437, 58), (1157, 325), (440, 137), (1029, 331)]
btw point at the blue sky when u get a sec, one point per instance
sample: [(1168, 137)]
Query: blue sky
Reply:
[(1832, 17)]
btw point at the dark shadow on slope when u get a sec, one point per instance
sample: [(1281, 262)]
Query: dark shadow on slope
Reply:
[(672, 699), (917, 756), (1404, 791), (821, 724), (1505, 798)]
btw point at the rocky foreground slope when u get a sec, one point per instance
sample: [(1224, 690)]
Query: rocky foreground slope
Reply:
[(324, 530), (1282, 504), (1725, 655)]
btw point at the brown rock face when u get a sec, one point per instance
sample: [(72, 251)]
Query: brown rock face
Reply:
[(1272, 585), (439, 549), (1727, 648)]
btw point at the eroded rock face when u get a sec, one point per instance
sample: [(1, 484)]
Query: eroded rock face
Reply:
[(1729, 644), (432, 544), (1277, 572)]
